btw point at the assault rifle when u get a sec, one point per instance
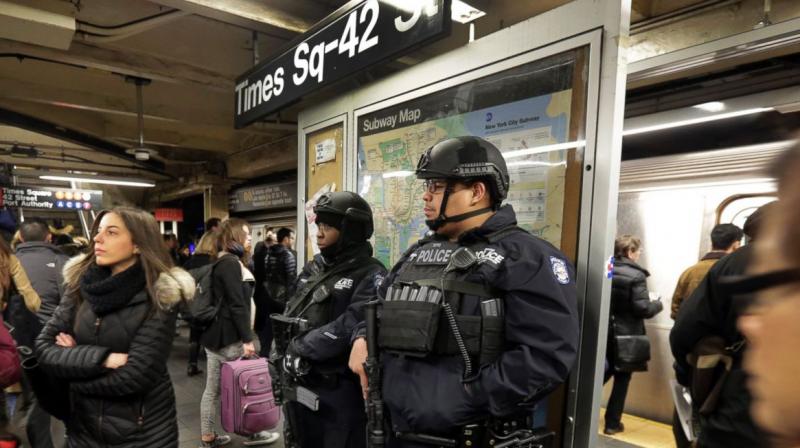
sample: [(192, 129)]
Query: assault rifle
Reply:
[(285, 387), (376, 436)]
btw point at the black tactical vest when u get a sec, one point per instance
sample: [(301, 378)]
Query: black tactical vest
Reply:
[(423, 312), (312, 300)]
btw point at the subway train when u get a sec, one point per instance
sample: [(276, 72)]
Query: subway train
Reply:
[(671, 203)]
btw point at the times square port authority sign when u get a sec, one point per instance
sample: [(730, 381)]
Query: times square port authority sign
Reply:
[(43, 198)]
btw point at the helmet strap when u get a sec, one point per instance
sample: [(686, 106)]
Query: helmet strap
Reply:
[(442, 219)]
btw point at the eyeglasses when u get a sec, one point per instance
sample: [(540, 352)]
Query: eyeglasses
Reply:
[(434, 186)]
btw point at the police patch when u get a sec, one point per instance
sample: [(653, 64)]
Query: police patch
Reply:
[(560, 270), (345, 283), (432, 256), (490, 255)]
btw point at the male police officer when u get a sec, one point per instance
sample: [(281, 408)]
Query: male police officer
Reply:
[(327, 306), (478, 321)]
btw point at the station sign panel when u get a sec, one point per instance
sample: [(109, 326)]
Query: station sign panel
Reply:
[(44, 198), (263, 197), (168, 214), (357, 36)]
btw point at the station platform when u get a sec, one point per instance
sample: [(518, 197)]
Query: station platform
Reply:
[(639, 432)]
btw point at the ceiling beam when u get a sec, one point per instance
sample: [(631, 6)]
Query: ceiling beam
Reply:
[(113, 128), (126, 62), (641, 9), (35, 124), (295, 16), (197, 114)]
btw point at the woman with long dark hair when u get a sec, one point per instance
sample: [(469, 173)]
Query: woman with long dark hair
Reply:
[(231, 334), (110, 337)]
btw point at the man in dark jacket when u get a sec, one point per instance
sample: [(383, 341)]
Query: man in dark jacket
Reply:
[(331, 293), (280, 275), (262, 325), (479, 319), (710, 311), (725, 238), (44, 264)]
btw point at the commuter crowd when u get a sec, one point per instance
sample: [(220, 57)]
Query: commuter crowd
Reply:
[(455, 345)]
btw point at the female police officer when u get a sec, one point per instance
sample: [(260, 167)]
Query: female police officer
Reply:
[(327, 306), (478, 320)]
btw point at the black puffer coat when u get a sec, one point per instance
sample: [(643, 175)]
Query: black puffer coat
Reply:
[(630, 305), (134, 405)]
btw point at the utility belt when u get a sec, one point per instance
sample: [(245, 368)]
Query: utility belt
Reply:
[(492, 433), (418, 319)]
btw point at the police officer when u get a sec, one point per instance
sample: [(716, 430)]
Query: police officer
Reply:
[(329, 298), (478, 320)]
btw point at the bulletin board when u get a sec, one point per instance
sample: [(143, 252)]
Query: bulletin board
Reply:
[(324, 165)]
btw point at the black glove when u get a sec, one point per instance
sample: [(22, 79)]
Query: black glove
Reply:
[(293, 363)]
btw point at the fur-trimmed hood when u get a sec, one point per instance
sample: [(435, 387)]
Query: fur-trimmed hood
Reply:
[(174, 286), (171, 288)]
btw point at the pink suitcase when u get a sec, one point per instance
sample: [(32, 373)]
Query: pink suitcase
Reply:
[(247, 403)]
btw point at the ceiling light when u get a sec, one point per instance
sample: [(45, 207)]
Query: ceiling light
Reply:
[(713, 106), (675, 124), (141, 153), (99, 180)]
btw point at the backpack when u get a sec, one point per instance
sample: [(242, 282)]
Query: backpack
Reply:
[(204, 308), (712, 360)]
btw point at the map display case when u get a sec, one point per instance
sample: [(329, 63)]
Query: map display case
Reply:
[(533, 113)]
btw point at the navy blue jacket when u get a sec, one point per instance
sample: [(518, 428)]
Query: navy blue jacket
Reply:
[(541, 331)]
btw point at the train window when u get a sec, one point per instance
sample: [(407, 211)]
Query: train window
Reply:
[(737, 208)]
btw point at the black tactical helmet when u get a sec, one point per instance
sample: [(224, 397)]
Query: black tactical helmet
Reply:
[(350, 211), (464, 158)]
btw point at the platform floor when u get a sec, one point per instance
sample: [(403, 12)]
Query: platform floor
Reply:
[(188, 391), (639, 432)]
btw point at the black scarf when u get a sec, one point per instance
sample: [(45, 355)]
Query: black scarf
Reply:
[(107, 293), (352, 250)]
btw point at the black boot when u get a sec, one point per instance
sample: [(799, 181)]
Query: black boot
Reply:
[(193, 370)]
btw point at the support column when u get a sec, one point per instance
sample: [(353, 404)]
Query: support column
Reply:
[(215, 202)]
